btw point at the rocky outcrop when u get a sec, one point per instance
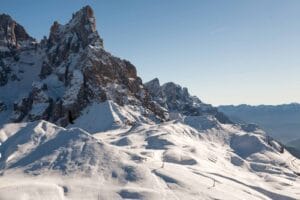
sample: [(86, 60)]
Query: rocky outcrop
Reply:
[(78, 33), (34, 107), (4, 73), (12, 34), (177, 99), (13, 40), (76, 71), (84, 72), (75, 36)]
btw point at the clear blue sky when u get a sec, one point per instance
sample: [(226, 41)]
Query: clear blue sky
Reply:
[(225, 52)]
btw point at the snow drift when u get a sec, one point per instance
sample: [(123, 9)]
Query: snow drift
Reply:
[(113, 137)]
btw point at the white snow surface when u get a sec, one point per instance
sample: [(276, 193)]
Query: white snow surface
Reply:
[(107, 158), (27, 70), (123, 152), (108, 115)]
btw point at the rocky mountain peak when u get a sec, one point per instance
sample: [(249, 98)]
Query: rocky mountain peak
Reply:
[(86, 16), (171, 95), (153, 87), (175, 91), (78, 33), (177, 99), (73, 71), (171, 92), (12, 34), (54, 32)]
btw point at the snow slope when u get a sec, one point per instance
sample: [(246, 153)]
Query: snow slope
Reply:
[(108, 115), (122, 139), (170, 160), (26, 69)]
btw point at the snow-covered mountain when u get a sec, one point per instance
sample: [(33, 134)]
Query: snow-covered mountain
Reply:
[(176, 100), (78, 123), (281, 121), (66, 72)]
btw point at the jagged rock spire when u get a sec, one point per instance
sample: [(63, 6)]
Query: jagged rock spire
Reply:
[(86, 16), (81, 29), (12, 34), (75, 71), (153, 87), (175, 98)]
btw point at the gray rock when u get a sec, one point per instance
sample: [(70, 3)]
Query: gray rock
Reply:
[(74, 56), (177, 99)]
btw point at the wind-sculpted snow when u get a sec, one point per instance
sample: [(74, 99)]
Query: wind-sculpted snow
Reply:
[(162, 161), (246, 145), (108, 115), (121, 139), (41, 147)]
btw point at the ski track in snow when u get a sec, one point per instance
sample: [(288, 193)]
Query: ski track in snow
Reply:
[(183, 164), (123, 152)]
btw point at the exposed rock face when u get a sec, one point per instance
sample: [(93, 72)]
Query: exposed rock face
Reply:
[(73, 37), (12, 34), (177, 99), (76, 71), (13, 39), (2, 106), (78, 33), (4, 71)]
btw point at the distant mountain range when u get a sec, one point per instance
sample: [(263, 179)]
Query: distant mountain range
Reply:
[(281, 122)]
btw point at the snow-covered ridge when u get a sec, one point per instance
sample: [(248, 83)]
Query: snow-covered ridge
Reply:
[(72, 71), (169, 160), (88, 128), (12, 35), (176, 99)]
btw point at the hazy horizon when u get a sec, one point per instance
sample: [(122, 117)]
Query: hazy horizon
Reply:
[(233, 52)]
